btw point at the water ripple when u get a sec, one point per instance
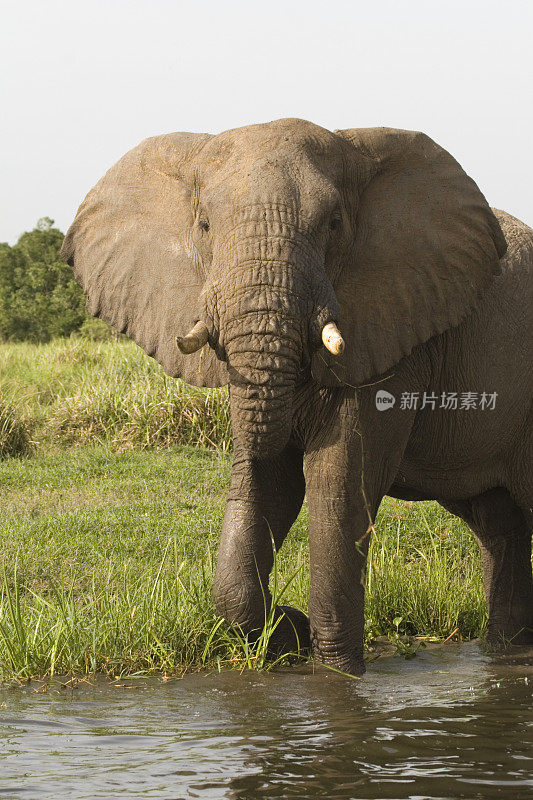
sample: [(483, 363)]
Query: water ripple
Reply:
[(453, 722)]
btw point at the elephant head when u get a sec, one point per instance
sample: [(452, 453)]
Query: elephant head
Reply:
[(265, 241)]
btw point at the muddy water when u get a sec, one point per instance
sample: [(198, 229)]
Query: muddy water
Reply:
[(453, 722)]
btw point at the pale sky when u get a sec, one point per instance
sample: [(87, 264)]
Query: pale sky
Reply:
[(82, 82)]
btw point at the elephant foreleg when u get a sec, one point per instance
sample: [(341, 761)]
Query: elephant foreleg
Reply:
[(340, 514), (338, 545), (352, 458), (264, 500)]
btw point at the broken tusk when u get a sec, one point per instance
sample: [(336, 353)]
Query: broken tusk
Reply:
[(333, 341), (194, 340)]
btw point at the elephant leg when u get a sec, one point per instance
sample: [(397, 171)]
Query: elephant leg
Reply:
[(504, 536), (264, 500), (343, 495), (338, 545), (353, 454)]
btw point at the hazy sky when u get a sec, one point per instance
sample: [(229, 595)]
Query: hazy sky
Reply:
[(82, 82)]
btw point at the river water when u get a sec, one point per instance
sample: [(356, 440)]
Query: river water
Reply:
[(452, 722)]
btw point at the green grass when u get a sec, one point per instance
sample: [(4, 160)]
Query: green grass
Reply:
[(110, 529), (109, 562)]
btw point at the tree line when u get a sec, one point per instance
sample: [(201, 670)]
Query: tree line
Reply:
[(39, 296)]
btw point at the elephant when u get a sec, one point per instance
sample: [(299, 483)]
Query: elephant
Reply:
[(372, 316)]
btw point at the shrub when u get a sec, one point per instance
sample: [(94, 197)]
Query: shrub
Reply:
[(39, 297), (96, 330)]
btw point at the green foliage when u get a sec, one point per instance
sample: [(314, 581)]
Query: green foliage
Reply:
[(39, 297), (96, 330), (424, 574)]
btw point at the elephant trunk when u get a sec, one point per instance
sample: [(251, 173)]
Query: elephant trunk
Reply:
[(264, 354)]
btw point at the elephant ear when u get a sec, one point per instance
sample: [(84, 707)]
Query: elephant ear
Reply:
[(131, 250), (425, 248)]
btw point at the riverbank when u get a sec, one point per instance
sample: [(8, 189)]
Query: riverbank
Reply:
[(109, 556)]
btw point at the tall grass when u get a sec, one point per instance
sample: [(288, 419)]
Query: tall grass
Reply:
[(75, 391), (15, 438), (164, 622), (140, 410), (424, 574), (159, 622)]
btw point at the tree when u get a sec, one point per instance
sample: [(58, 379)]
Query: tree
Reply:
[(39, 297)]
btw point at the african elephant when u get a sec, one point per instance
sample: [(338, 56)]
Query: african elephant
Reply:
[(268, 242)]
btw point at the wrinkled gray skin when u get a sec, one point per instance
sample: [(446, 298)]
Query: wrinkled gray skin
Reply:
[(267, 233)]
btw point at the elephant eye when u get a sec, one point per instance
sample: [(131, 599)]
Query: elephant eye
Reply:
[(335, 224), (203, 224)]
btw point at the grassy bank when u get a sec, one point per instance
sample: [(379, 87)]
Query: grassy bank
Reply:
[(109, 531), (109, 561)]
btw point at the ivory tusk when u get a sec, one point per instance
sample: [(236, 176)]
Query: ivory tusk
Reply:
[(333, 341), (194, 340)]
